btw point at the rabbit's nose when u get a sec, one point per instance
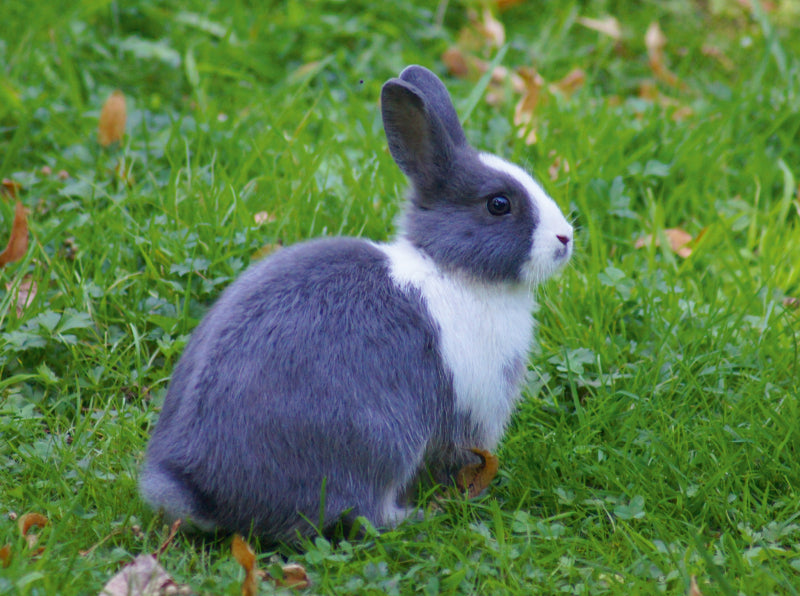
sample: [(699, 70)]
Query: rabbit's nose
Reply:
[(563, 239)]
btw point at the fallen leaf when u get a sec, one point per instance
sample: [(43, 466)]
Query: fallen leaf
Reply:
[(30, 520), (558, 164), (266, 250), (655, 41), (456, 62), (524, 111), (245, 556), (492, 29), (11, 187), (294, 576), (694, 589), (263, 217), (172, 532), (18, 241), (607, 26), (718, 55), (571, 82), (143, 576), (678, 241), (112, 120), (506, 4), (474, 478), (26, 292), (5, 556)]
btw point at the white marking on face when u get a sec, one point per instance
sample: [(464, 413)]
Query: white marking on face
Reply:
[(486, 334), (552, 239)]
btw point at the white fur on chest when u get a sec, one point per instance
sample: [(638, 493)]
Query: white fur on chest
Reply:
[(486, 334)]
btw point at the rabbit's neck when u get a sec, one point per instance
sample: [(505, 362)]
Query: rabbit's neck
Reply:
[(486, 331)]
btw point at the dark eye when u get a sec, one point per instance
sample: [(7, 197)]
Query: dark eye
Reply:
[(498, 205)]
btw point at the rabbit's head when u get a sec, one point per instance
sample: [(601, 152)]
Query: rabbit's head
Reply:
[(471, 212)]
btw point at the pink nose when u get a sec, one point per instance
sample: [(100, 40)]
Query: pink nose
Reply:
[(563, 239)]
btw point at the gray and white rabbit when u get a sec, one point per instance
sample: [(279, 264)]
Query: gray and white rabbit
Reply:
[(333, 375)]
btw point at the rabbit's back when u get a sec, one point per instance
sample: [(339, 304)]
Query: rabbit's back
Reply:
[(315, 372)]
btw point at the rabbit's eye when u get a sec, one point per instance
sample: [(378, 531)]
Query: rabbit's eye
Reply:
[(498, 205)]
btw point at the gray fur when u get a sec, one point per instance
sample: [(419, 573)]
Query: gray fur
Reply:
[(316, 376)]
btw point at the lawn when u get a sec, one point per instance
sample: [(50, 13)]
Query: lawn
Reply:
[(658, 442)]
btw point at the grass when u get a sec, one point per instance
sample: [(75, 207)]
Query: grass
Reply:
[(658, 439)]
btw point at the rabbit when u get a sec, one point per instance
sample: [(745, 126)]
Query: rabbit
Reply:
[(334, 375)]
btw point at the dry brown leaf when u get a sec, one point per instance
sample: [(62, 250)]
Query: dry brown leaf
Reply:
[(456, 62), (682, 113), (718, 55), (524, 111), (678, 241), (559, 163), (112, 120), (694, 589), (506, 4), (10, 188), (172, 532), (30, 520), (766, 5), (655, 41), (263, 217), (26, 292), (143, 576), (245, 556), (474, 478), (18, 240), (294, 576), (607, 26), (571, 82), (5, 556), (492, 29)]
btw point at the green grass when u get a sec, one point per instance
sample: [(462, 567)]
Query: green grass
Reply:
[(659, 437)]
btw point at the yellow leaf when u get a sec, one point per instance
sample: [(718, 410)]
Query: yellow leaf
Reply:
[(608, 26), (474, 478), (112, 120), (18, 241)]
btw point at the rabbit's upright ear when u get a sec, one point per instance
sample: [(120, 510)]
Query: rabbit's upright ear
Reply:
[(438, 100), (421, 125)]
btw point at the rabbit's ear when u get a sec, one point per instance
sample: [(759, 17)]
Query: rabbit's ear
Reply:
[(417, 138), (437, 99)]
